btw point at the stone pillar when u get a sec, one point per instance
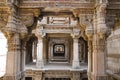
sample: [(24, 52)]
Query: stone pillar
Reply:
[(99, 59), (75, 63), (13, 58), (40, 35), (89, 59), (23, 59), (99, 52), (34, 50), (40, 61)]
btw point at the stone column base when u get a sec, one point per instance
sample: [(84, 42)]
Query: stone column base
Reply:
[(76, 75), (100, 77), (89, 76), (40, 64), (38, 78), (9, 78), (76, 65)]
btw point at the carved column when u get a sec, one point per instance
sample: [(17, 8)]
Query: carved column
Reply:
[(75, 63), (89, 59), (99, 58), (40, 35), (13, 58), (40, 62), (99, 44), (13, 37), (23, 58)]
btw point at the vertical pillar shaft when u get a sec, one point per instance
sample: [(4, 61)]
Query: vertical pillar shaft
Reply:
[(40, 61), (13, 58), (76, 63), (99, 59), (89, 59), (23, 58)]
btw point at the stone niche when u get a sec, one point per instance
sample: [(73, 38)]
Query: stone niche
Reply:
[(59, 49)]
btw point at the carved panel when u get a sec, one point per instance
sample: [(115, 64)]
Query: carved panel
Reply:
[(58, 74)]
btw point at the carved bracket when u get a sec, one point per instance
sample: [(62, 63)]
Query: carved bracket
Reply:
[(39, 32), (27, 19), (75, 33)]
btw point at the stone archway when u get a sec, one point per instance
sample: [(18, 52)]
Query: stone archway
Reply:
[(3, 53)]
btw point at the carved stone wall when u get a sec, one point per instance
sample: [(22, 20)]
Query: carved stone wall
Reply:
[(113, 51)]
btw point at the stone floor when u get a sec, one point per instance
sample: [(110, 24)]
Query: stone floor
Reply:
[(56, 66)]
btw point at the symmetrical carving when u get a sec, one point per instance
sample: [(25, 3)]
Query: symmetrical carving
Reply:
[(96, 19)]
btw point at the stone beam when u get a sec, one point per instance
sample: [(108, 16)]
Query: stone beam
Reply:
[(65, 4), (61, 14)]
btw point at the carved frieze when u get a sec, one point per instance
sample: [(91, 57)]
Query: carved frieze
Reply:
[(34, 73), (65, 4), (58, 74)]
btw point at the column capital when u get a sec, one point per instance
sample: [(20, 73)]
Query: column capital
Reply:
[(39, 32), (11, 25), (89, 32), (101, 19), (75, 33)]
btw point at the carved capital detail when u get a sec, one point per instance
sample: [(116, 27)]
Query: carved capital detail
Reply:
[(75, 33), (39, 32), (101, 21), (86, 25)]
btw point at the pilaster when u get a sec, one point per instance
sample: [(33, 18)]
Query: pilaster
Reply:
[(99, 49)]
